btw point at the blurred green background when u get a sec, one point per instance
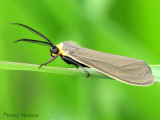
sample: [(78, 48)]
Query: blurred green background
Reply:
[(123, 27)]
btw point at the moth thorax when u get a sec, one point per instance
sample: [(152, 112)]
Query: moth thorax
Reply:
[(60, 47)]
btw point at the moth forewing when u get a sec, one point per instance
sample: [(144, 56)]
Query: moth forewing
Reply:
[(124, 69)]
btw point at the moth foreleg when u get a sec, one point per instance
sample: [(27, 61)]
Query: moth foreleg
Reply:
[(50, 60)]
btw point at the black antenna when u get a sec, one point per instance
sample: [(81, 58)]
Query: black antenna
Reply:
[(35, 41), (36, 32)]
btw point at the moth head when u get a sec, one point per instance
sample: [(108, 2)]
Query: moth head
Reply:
[(54, 50)]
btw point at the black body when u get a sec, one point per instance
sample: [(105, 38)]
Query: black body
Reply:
[(69, 60)]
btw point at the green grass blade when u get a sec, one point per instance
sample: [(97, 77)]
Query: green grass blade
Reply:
[(156, 72), (67, 71)]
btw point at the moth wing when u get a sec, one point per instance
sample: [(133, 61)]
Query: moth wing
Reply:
[(124, 69)]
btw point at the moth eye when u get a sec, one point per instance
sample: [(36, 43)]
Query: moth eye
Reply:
[(54, 50)]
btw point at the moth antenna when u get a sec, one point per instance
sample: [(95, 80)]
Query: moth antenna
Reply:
[(34, 31), (34, 41)]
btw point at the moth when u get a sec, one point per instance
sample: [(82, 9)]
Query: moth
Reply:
[(124, 69)]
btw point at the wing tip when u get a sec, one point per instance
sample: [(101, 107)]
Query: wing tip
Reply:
[(146, 83)]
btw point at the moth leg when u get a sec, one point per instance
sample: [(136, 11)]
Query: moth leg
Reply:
[(76, 64), (50, 60), (85, 71), (45, 63)]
